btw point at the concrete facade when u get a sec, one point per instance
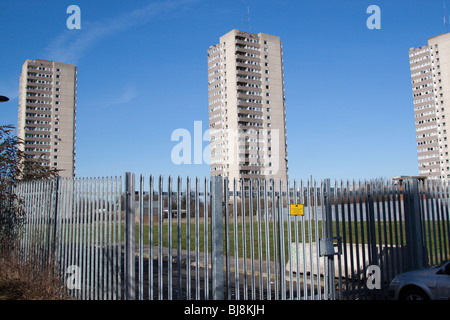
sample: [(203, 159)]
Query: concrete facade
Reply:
[(430, 79), (47, 113), (247, 118)]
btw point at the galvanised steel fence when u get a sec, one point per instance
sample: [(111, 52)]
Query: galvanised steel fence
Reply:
[(76, 225), (164, 238)]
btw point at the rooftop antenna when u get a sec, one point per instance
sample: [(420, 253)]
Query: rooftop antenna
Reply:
[(445, 19), (247, 18)]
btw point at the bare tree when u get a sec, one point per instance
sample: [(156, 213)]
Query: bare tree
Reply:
[(15, 167)]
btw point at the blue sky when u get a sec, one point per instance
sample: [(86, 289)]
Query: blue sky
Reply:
[(140, 63)]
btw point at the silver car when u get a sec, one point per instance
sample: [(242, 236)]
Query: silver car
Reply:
[(424, 284)]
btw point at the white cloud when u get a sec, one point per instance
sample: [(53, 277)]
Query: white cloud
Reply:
[(125, 97), (70, 45)]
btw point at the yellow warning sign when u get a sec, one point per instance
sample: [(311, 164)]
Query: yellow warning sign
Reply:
[(296, 209)]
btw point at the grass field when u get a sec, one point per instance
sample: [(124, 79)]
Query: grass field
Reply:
[(436, 235), (385, 233)]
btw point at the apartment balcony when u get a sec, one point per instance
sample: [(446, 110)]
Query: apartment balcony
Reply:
[(240, 41), (244, 96), (246, 174), (254, 124), (245, 105), (33, 76), (38, 124), (248, 71), (37, 153), (247, 63), (36, 128), (34, 103), (249, 95), (241, 63), (241, 84), (34, 89), (245, 87), (38, 120), (248, 168), (248, 101), (36, 110), (37, 139), (242, 71), (245, 113)]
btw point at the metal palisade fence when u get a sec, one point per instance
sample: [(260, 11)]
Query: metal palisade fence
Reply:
[(164, 238), (76, 224)]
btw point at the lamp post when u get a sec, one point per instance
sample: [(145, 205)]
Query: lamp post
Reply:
[(3, 99)]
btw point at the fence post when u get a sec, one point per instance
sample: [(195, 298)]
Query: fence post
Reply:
[(371, 236), (55, 216), (217, 238), (413, 226), (331, 294), (130, 271)]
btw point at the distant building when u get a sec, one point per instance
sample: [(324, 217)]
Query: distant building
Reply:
[(430, 78), (47, 113), (247, 118)]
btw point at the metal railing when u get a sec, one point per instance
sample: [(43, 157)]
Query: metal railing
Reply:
[(164, 238), (76, 225)]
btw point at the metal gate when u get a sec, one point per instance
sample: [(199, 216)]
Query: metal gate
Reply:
[(213, 239), (272, 254)]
